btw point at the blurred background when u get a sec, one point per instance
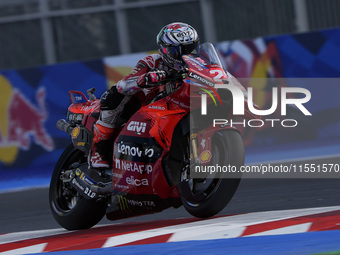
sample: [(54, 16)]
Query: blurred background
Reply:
[(39, 32)]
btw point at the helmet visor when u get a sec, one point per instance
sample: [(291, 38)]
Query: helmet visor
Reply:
[(187, 49), (177, 52)]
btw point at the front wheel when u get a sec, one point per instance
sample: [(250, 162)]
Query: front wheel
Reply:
[(68, 207), (205, 197)]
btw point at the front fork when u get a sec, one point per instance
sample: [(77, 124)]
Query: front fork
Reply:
[(194, 148)]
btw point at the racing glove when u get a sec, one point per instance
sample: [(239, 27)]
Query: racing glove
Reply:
[(152, 77)]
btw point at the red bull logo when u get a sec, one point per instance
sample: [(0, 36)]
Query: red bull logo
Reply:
[(255, 59), (251, 59), (21, 122)]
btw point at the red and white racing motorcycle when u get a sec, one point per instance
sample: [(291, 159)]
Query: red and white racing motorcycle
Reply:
[(154, 153)]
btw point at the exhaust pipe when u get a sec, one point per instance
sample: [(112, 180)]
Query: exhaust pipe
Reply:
[(64, 126)]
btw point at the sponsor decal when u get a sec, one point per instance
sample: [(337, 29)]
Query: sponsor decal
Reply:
[(205, 156), (203, 143), (125, 204), (184, 105), (74, 181), (78, 172), (201, 79), (156, 107), (119, 186), (174, 101), (184, 33), (80, 143), (136, 182), (75, 132), (199, 66), (75, 117), (133, 166), (180, 103), (86, 108), (136, 126), (77, 98), (89, 193), (137, 149), (134, 150), (184, 36), (143, 203), (86, 179)]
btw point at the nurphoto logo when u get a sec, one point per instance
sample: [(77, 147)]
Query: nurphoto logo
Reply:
[(239, 99)]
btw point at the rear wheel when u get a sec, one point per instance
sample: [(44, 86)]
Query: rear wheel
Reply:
[(205, 197), (68, 207)]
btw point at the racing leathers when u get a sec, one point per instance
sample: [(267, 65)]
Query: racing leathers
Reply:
[(120, 102)]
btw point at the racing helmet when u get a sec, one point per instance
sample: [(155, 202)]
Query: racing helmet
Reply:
[(175, 40)]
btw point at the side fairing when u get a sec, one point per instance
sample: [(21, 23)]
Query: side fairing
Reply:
[(141, 146)]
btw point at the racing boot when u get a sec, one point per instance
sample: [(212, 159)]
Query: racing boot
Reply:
[(101, 146)]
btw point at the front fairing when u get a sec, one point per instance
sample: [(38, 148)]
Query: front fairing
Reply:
[(207, 76), (206, 62)]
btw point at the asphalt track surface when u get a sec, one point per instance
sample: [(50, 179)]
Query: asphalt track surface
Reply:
[(29, 210)]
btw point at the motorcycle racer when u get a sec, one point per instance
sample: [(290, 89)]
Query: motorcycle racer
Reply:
[(121, 101)]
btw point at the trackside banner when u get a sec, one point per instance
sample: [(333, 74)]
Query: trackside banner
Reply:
[(293, 79)]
